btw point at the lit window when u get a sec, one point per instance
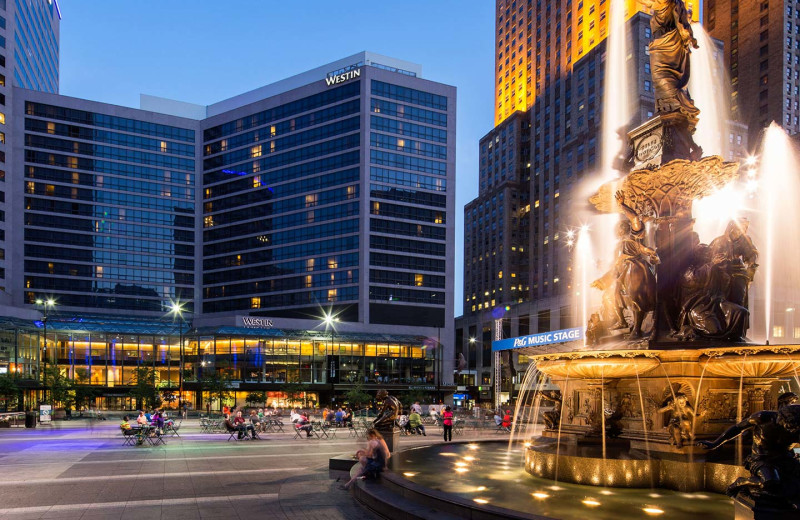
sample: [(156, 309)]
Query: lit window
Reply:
[(163, 146), (333, 262), (500, 275), (51, 128), (208, 221), (418, 280), (777, 331), (331, 295), (257, 181), (255, 151), (255, 302)]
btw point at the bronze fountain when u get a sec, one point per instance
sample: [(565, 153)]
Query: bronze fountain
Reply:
[(667, 370)]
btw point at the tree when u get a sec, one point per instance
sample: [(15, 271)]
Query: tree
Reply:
[(144, 388), (9, 392), (218, 386), (61, 388), (295, 390), (254, 398), (411, 397), (356, 395), (85, 395)]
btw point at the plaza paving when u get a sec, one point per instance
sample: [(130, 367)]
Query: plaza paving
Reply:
[(77, 470)]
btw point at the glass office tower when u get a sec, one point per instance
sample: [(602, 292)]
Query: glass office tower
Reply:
[(326, 195)]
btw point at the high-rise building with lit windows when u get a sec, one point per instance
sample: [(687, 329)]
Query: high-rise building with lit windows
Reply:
[(550, 60), (762, 60), (300, 232), (29, 57), (537, 42)]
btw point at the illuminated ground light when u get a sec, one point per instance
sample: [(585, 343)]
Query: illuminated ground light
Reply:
[(606, 492), (447, 454), (469, 459), (539, 495), (472, 446), (527, 444), (654, 495), (481, 501), (652, 510), (409, 474), (461, 470), (590, 502), (480, 488), (461, 464), (556, 488)]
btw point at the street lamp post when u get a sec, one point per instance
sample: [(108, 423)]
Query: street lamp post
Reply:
[(330, 325), (177, 311), (46, 304)]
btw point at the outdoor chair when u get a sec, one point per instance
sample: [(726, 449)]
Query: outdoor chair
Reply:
[(234, 433), (173, 428), (129, 437)]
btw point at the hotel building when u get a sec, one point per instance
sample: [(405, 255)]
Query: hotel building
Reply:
[(305, 229)]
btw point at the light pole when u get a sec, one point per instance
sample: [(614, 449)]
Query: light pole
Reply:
[(177, 312), (330, 325), (46, 305)]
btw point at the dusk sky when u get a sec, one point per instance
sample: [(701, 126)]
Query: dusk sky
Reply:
[(202, 52)]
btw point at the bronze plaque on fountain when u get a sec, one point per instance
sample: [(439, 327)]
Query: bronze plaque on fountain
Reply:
[(647, 142)]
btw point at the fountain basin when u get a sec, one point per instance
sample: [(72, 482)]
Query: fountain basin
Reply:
[(629, 469), (610, 364), (768, 361), (487, 480)]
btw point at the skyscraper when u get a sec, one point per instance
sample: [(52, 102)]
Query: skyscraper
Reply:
[(29, 57), (550, 67), (301, 232), (762, 58)]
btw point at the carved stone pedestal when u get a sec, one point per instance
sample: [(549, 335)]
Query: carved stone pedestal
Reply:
[(392, 438)]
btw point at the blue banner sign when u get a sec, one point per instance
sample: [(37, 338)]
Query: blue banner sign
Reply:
[(542, 338)]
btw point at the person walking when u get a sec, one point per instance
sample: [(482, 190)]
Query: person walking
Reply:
[(447, 424)]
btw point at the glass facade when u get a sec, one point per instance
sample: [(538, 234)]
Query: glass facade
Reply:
[(115, 196), (281, 190), (36, 45), (407, 203)]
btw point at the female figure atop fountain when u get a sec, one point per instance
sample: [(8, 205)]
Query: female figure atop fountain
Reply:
[(669, 58)]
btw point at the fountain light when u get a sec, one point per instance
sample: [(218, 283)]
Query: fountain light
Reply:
[(570, 234), (540, 495), (409, 474), (654, 495), (606, 492), (461, 464), (481, 501), (751, 160), (480, 488), (590, 502), (584, 228), (527, 444), (556, 488), (461, 470), (446, 454), (752, 172), (653, 511), (469, 459), (751, 186), (472, 446)]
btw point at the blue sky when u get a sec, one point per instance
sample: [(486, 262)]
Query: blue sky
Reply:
[(191, 50)]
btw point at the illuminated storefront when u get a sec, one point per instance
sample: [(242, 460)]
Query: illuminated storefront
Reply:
[(104, 353)]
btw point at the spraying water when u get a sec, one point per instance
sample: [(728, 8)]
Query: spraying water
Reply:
[(776, 215), (708, 87)]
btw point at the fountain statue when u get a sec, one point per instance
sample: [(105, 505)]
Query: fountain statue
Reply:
[(774, 481), (385, 420), (668, 343), (669, 63), (681, 421)]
